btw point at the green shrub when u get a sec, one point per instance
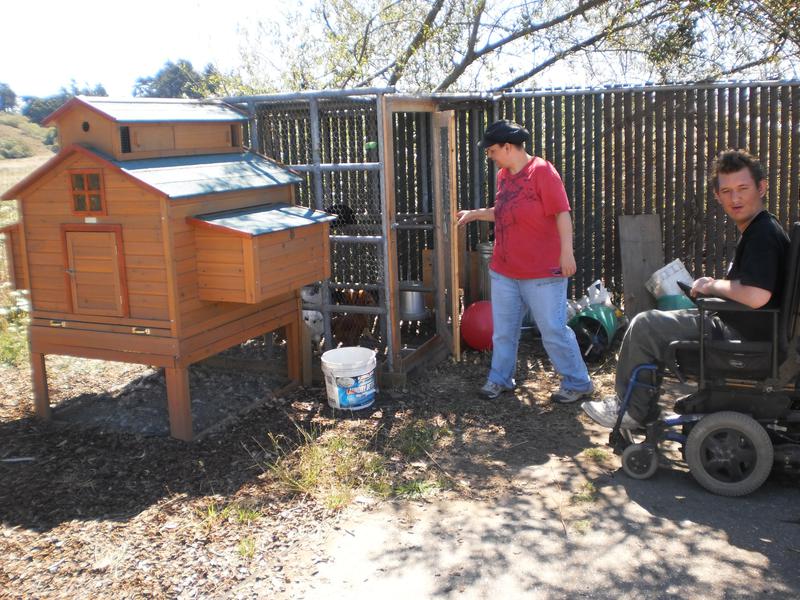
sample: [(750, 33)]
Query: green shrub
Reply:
[(47, 135), (14, 329), (14, 149), (51, 137)]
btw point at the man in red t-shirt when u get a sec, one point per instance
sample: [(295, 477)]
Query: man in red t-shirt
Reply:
[(532, 259)]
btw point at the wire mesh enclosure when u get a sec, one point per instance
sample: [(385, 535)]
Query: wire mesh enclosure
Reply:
[(371, 166), (333, 140), (619, 150)]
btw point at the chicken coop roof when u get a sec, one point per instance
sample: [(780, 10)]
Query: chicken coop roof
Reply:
[(180, 176), (259, 220), (185, 176), (152, 110)]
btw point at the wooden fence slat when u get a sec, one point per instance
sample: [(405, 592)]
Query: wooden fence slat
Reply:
[(528, 111), (638, 152), (588, 204), (628, 118), (570, 152), (649, 110), (763, 124), (744, 125), (608, 188), (598, 206), (752, 98), (772, 160), (538, 116), (661, 200), (700, 210), (548, 128), (711, 213), (723, 249), (733, 122), (618, 179), (558, 136), (670, 198), (783, 172), (579, 200), (690, 216), (793, 199)]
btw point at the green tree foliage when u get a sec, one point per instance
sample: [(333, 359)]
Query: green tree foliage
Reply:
[(451, 45), (37, 108), (180, 80), (8, 99), (177, 80)]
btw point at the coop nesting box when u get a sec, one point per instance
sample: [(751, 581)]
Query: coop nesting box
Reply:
[(154, 237)]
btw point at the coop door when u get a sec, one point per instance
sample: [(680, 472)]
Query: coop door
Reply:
[(448, 309), (95, 272)]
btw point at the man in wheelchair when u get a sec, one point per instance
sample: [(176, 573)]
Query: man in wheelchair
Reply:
[(740, 344)]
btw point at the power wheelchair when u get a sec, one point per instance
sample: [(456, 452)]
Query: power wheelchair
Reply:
[(744, 416)]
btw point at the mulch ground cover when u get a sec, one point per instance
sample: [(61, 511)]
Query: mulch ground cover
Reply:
[(96, 508)]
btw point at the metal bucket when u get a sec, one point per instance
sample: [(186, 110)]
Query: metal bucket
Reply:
[(485, 250), (412, 302)]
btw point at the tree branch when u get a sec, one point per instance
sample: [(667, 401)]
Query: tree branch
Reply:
[(419, 39), (471, 55), (576, 48)]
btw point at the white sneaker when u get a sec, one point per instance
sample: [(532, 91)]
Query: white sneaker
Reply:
[(567, 396), (605, 411), (492, 390)]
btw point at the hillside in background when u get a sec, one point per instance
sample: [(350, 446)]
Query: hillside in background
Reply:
[(19, 138)]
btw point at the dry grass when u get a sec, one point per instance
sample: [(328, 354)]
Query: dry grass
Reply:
[(13, 342), (20, 138), (11, 172)]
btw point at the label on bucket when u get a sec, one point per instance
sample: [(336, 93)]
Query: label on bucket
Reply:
[(356, 391)]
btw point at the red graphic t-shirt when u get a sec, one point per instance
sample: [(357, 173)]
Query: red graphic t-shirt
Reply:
[(526, 241)]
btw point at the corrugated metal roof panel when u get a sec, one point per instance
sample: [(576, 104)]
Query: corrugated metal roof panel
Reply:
[(147, 110), (267, 218), (185, 176)]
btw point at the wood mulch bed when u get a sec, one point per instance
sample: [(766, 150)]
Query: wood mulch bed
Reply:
[(96, 508)]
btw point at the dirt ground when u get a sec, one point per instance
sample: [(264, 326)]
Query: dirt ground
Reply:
[(95, 505)]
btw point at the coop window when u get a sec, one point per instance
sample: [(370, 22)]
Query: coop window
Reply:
[(234, 135), (125, 139), (87, 192)]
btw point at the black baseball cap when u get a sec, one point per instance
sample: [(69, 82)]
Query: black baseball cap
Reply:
[(504, 132)]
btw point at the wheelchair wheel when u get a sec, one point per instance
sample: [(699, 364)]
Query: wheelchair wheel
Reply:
[(640, 461), (729, 453)]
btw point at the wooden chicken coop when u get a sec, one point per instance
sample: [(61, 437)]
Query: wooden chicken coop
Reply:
[(154, 237)]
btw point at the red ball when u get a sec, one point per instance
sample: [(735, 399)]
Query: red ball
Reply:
[(477, 325)]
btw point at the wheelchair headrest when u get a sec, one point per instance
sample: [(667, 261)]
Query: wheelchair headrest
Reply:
[(790, 303)]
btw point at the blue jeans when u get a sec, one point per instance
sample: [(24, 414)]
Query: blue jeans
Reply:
[(546, 299)]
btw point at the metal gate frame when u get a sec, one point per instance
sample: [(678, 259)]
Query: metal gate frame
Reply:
[(386, 104)]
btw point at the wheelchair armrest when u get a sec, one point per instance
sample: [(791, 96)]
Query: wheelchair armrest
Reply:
[(671, 356), (712, 303)]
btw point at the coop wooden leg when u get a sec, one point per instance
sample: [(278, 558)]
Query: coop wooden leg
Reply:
[(305, 349), (41, 396), (294, 351), (179, 403)]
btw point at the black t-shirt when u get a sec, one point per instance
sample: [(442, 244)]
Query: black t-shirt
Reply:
[(760, 261)]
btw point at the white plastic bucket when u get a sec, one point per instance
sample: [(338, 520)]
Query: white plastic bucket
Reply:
[(349, 377), (664, 282)]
